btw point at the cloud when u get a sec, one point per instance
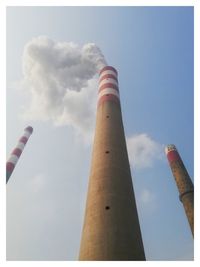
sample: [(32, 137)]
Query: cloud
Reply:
[(143, 151), (147, 201), (147, 196), (37, 183), (60, 78)]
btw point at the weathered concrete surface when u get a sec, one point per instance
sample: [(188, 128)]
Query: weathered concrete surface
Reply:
[(183, 182), (186, 190), (111, 228)]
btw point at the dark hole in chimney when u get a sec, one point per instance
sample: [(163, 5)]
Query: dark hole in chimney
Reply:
[(107, 207), (107, 152)]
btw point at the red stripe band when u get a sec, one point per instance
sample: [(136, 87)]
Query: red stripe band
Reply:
[(108, 97), (107, 76), (23, 139), (107, 68), (10, 166), (108, 85), (173, 156), (17, 152)]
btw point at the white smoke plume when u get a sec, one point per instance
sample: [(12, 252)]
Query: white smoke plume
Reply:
[(143, 151), (60, 78)]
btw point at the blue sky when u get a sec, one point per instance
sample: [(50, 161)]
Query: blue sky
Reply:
[(152, 49)]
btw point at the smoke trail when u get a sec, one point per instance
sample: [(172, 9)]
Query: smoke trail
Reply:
[(60, 77)]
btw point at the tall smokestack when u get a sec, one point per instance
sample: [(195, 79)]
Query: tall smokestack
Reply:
[(111, 228), (183, 181), (16, 153)]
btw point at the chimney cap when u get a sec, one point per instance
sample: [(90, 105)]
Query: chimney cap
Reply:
[(108, 68), (29, 129), (169, 148)]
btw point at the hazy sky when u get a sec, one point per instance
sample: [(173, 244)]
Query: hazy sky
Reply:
[(152, 49)]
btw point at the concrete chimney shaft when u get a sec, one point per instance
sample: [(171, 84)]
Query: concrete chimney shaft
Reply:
[(16, 153), (111, 228), (183, 181)]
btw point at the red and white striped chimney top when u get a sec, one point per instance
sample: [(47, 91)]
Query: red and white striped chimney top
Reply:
[(29, 129), (108, 85), (108, 68), (169, 148), (172, 153)]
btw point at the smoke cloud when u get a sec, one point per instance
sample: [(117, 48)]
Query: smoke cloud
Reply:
[(143, 151), (60, 78)]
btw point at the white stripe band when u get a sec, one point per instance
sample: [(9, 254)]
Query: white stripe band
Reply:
[(13, 159), (20, 145), (108, 72), (27, 134), (108, 80), (108, 91)]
